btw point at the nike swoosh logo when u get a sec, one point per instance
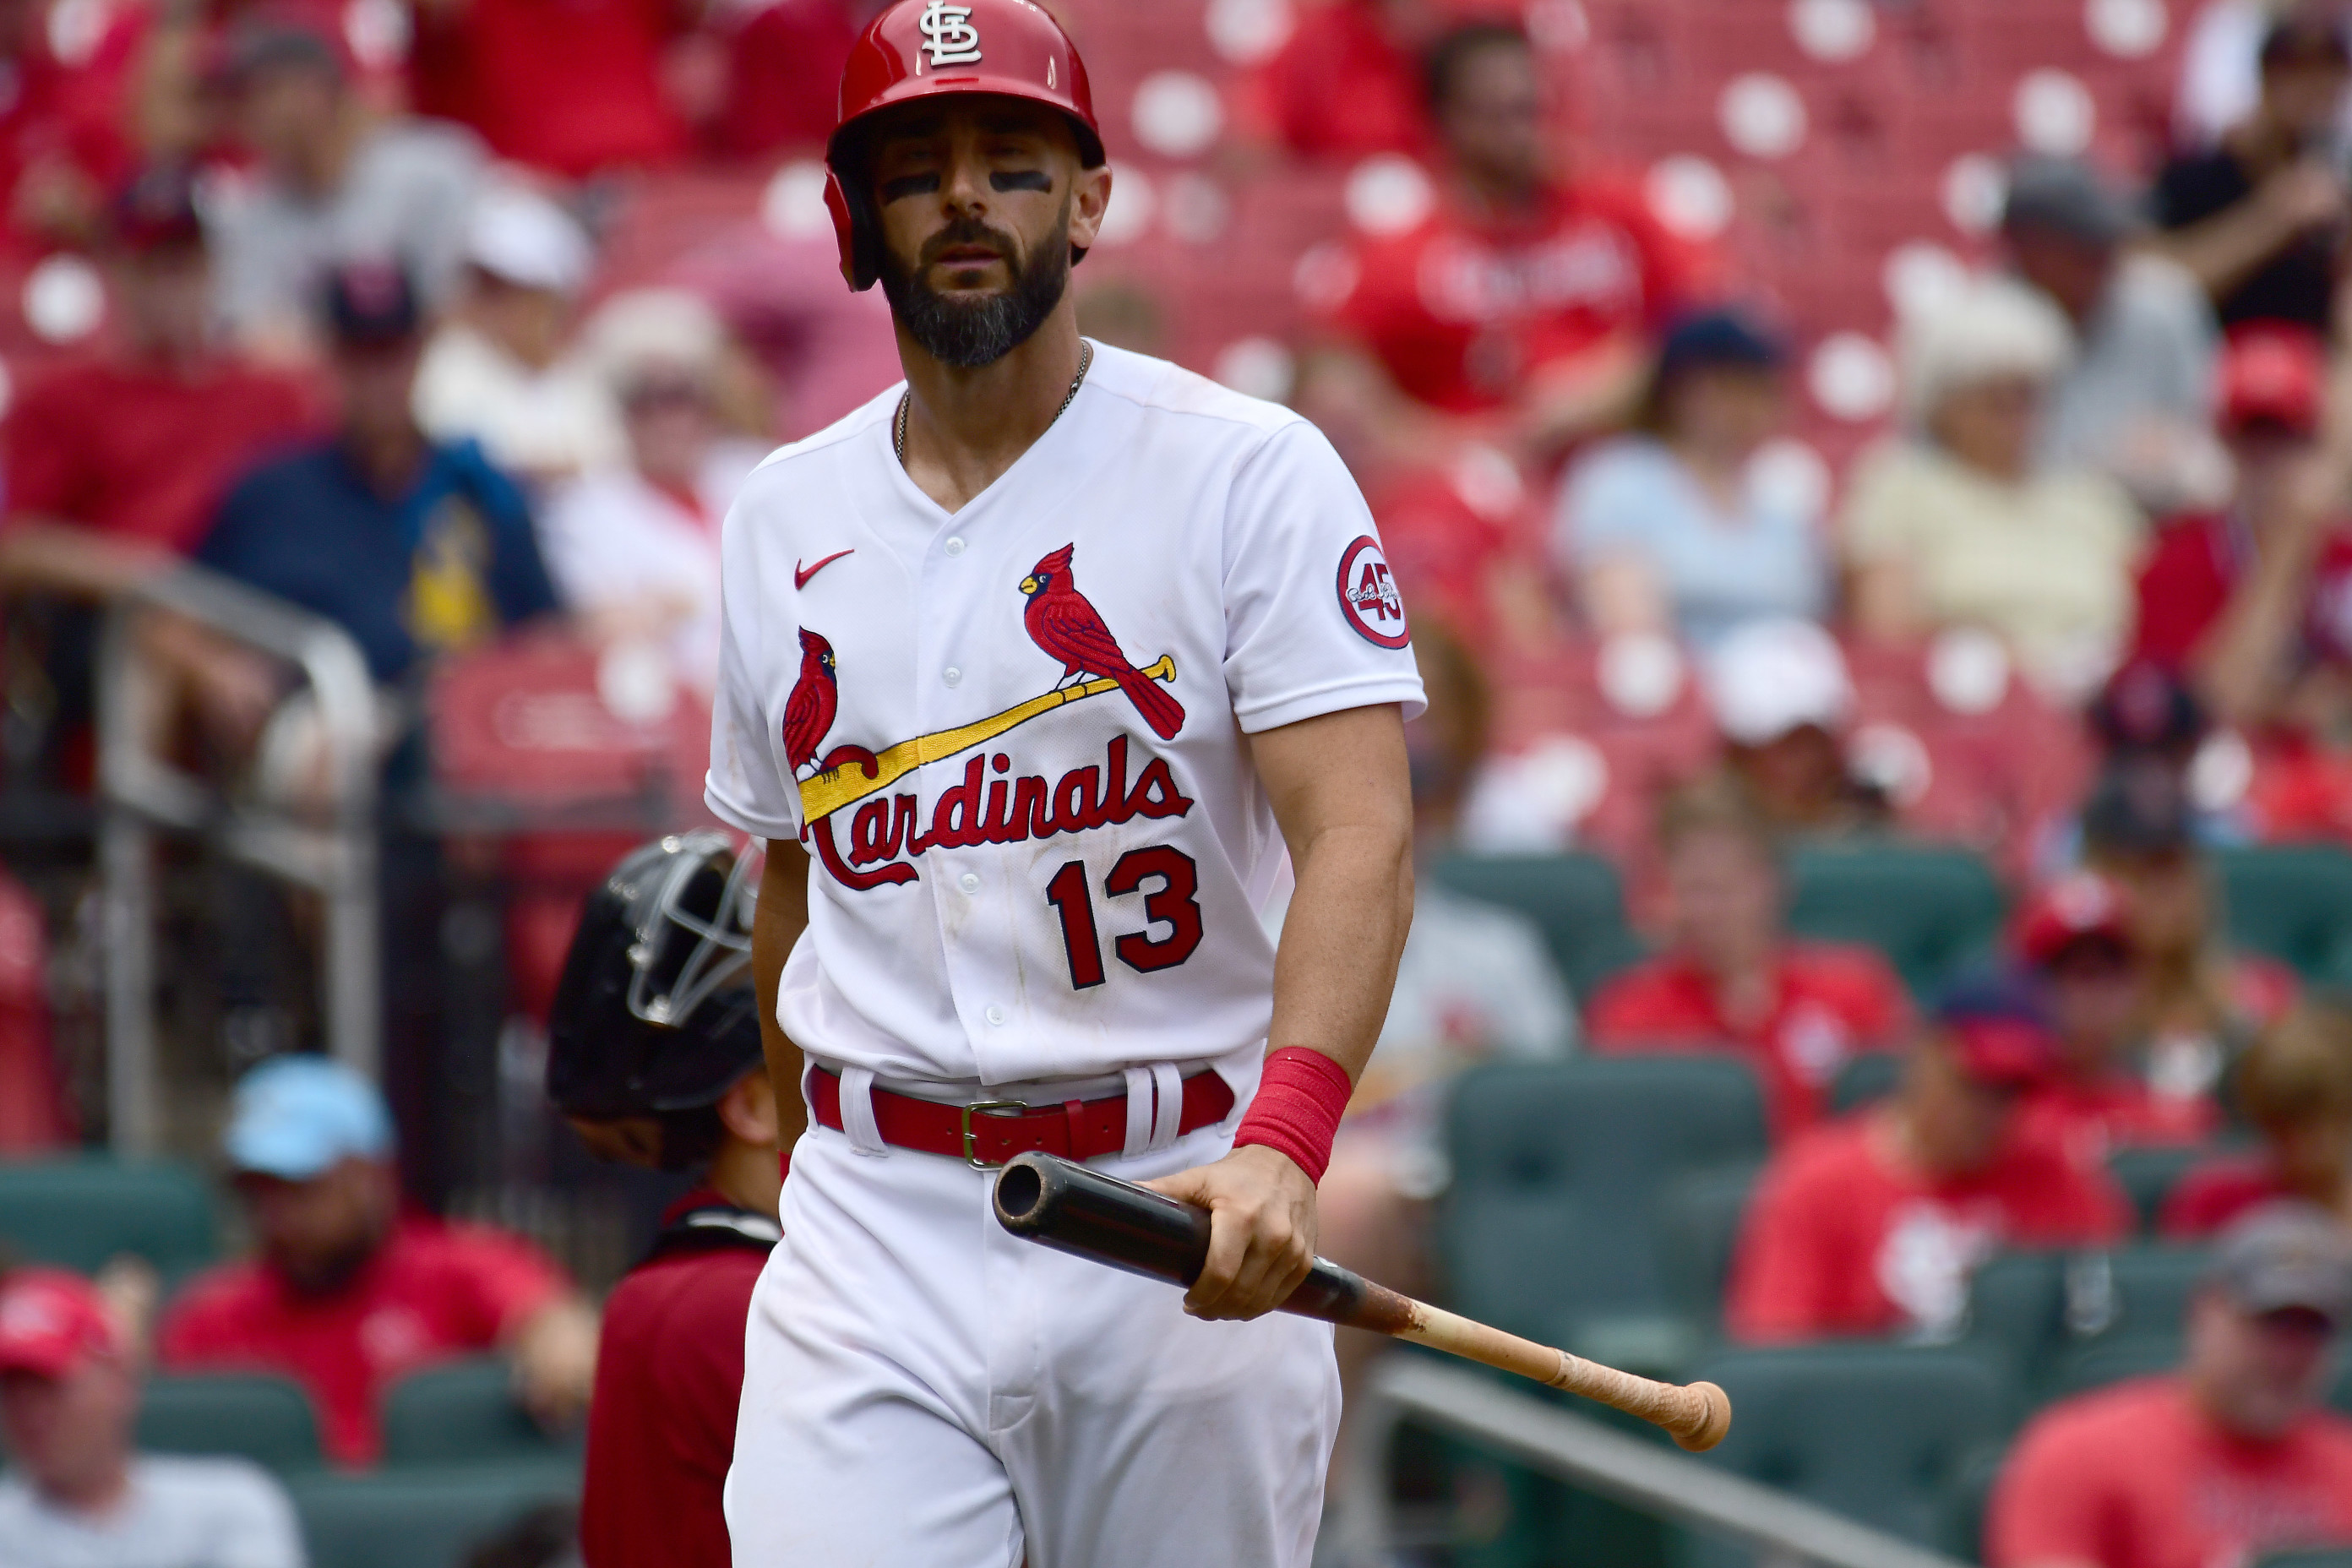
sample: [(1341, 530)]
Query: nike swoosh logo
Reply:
[(801, 574)]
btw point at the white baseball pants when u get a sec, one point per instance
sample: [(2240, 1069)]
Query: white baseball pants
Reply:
[(923, 1390)]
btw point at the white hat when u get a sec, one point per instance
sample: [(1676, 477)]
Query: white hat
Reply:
[(641, 330), (1993, 328), (1771, 676), (522, 237)]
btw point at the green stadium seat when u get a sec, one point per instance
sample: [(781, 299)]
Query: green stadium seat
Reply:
[(2152, 1287), (1576, 900), (420, 1517), (2112, 1359), (2314, 1557), (1931, 909), (461, 1413), (1865, 1077), (2046, 1318), (2148, 1175), (79, 1213), (254, 1415), (1881, 1432), (2017, 1313), (1966, 1499), (2292, 901), (1549, 1227), (1699, 1217)]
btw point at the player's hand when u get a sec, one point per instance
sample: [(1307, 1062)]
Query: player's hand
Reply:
[(1262, 1230)]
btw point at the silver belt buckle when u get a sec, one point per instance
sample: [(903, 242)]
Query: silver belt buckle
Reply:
[(985, 1107)]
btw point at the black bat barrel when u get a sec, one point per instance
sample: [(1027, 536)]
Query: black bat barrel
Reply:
[(1060, 1204)]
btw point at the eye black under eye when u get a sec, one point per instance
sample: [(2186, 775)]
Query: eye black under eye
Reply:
[(1020, 180), (910, 185)]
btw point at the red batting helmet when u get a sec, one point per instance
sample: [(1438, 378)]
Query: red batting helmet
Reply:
[(920, 48)]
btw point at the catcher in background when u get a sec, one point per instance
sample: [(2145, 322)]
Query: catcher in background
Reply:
[(653, 1056)]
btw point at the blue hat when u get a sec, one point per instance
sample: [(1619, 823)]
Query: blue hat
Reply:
[(297, 1117), (1725, 338)]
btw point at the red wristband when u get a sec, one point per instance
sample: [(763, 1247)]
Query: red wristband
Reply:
[(1301, 1096)]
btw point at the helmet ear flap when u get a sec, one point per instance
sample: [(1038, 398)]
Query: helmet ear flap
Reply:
[(856, 230)]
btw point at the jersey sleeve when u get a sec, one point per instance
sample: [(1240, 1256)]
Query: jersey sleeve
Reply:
[(1314, 619), (747, 785)]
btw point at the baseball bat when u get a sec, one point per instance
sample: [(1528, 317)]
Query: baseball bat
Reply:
[(1059, 1203)]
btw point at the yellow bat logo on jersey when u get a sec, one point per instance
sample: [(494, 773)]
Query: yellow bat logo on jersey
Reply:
[(860, 774)]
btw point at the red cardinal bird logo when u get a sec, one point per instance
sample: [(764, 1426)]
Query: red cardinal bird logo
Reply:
[(808, 713), (1062, 622)]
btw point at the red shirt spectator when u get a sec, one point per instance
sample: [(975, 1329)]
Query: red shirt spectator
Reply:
[(1505, 294), (1826, 1003), (1850, 1237), (143, 450), (783, 69), (346, 1296), (2294, 1084), (2248, 602), (1343, 85), (572, 87), (136, 448), (2213, 1194), (2074, 936), (2199, 561), (1875, 1224), (669, 1372), (1731, 978), (430, 1292), (1465, 308), (2229, 1460), (64, 140), (2137, 1476)]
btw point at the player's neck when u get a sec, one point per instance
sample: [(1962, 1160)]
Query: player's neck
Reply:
[(965, 427)]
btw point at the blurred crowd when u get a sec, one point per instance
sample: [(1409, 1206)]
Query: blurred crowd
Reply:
[(361, 344)]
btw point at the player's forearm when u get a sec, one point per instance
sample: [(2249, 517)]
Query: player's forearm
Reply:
[(781, 916)]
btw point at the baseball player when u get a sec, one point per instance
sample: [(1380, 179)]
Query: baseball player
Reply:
[(1044, 676), (654, 1055)]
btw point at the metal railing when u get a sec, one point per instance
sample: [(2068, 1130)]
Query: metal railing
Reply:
[(1559, 1442), (332, 853)]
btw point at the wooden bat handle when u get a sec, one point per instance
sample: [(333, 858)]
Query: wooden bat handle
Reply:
[(1696, 1416)]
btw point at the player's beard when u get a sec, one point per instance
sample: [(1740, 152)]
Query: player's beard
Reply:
[(969, 334)]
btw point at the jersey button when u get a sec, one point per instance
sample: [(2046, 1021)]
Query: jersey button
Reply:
[(951, 675), (969, 882), (996, 1015), (955, 547)]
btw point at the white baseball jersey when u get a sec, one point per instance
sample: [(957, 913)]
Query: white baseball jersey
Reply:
[(1014, 737)]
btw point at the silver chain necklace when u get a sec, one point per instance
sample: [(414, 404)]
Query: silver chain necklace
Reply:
[(1085, 363)]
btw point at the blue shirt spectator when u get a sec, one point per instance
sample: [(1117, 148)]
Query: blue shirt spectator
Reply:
[(413, 547), (441, 564), (1670, 531)]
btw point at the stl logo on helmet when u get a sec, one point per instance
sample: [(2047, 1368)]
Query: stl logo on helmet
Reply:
[(1367, 593), (949, 37)]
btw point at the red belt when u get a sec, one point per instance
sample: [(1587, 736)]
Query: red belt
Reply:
[(987, 1132)]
